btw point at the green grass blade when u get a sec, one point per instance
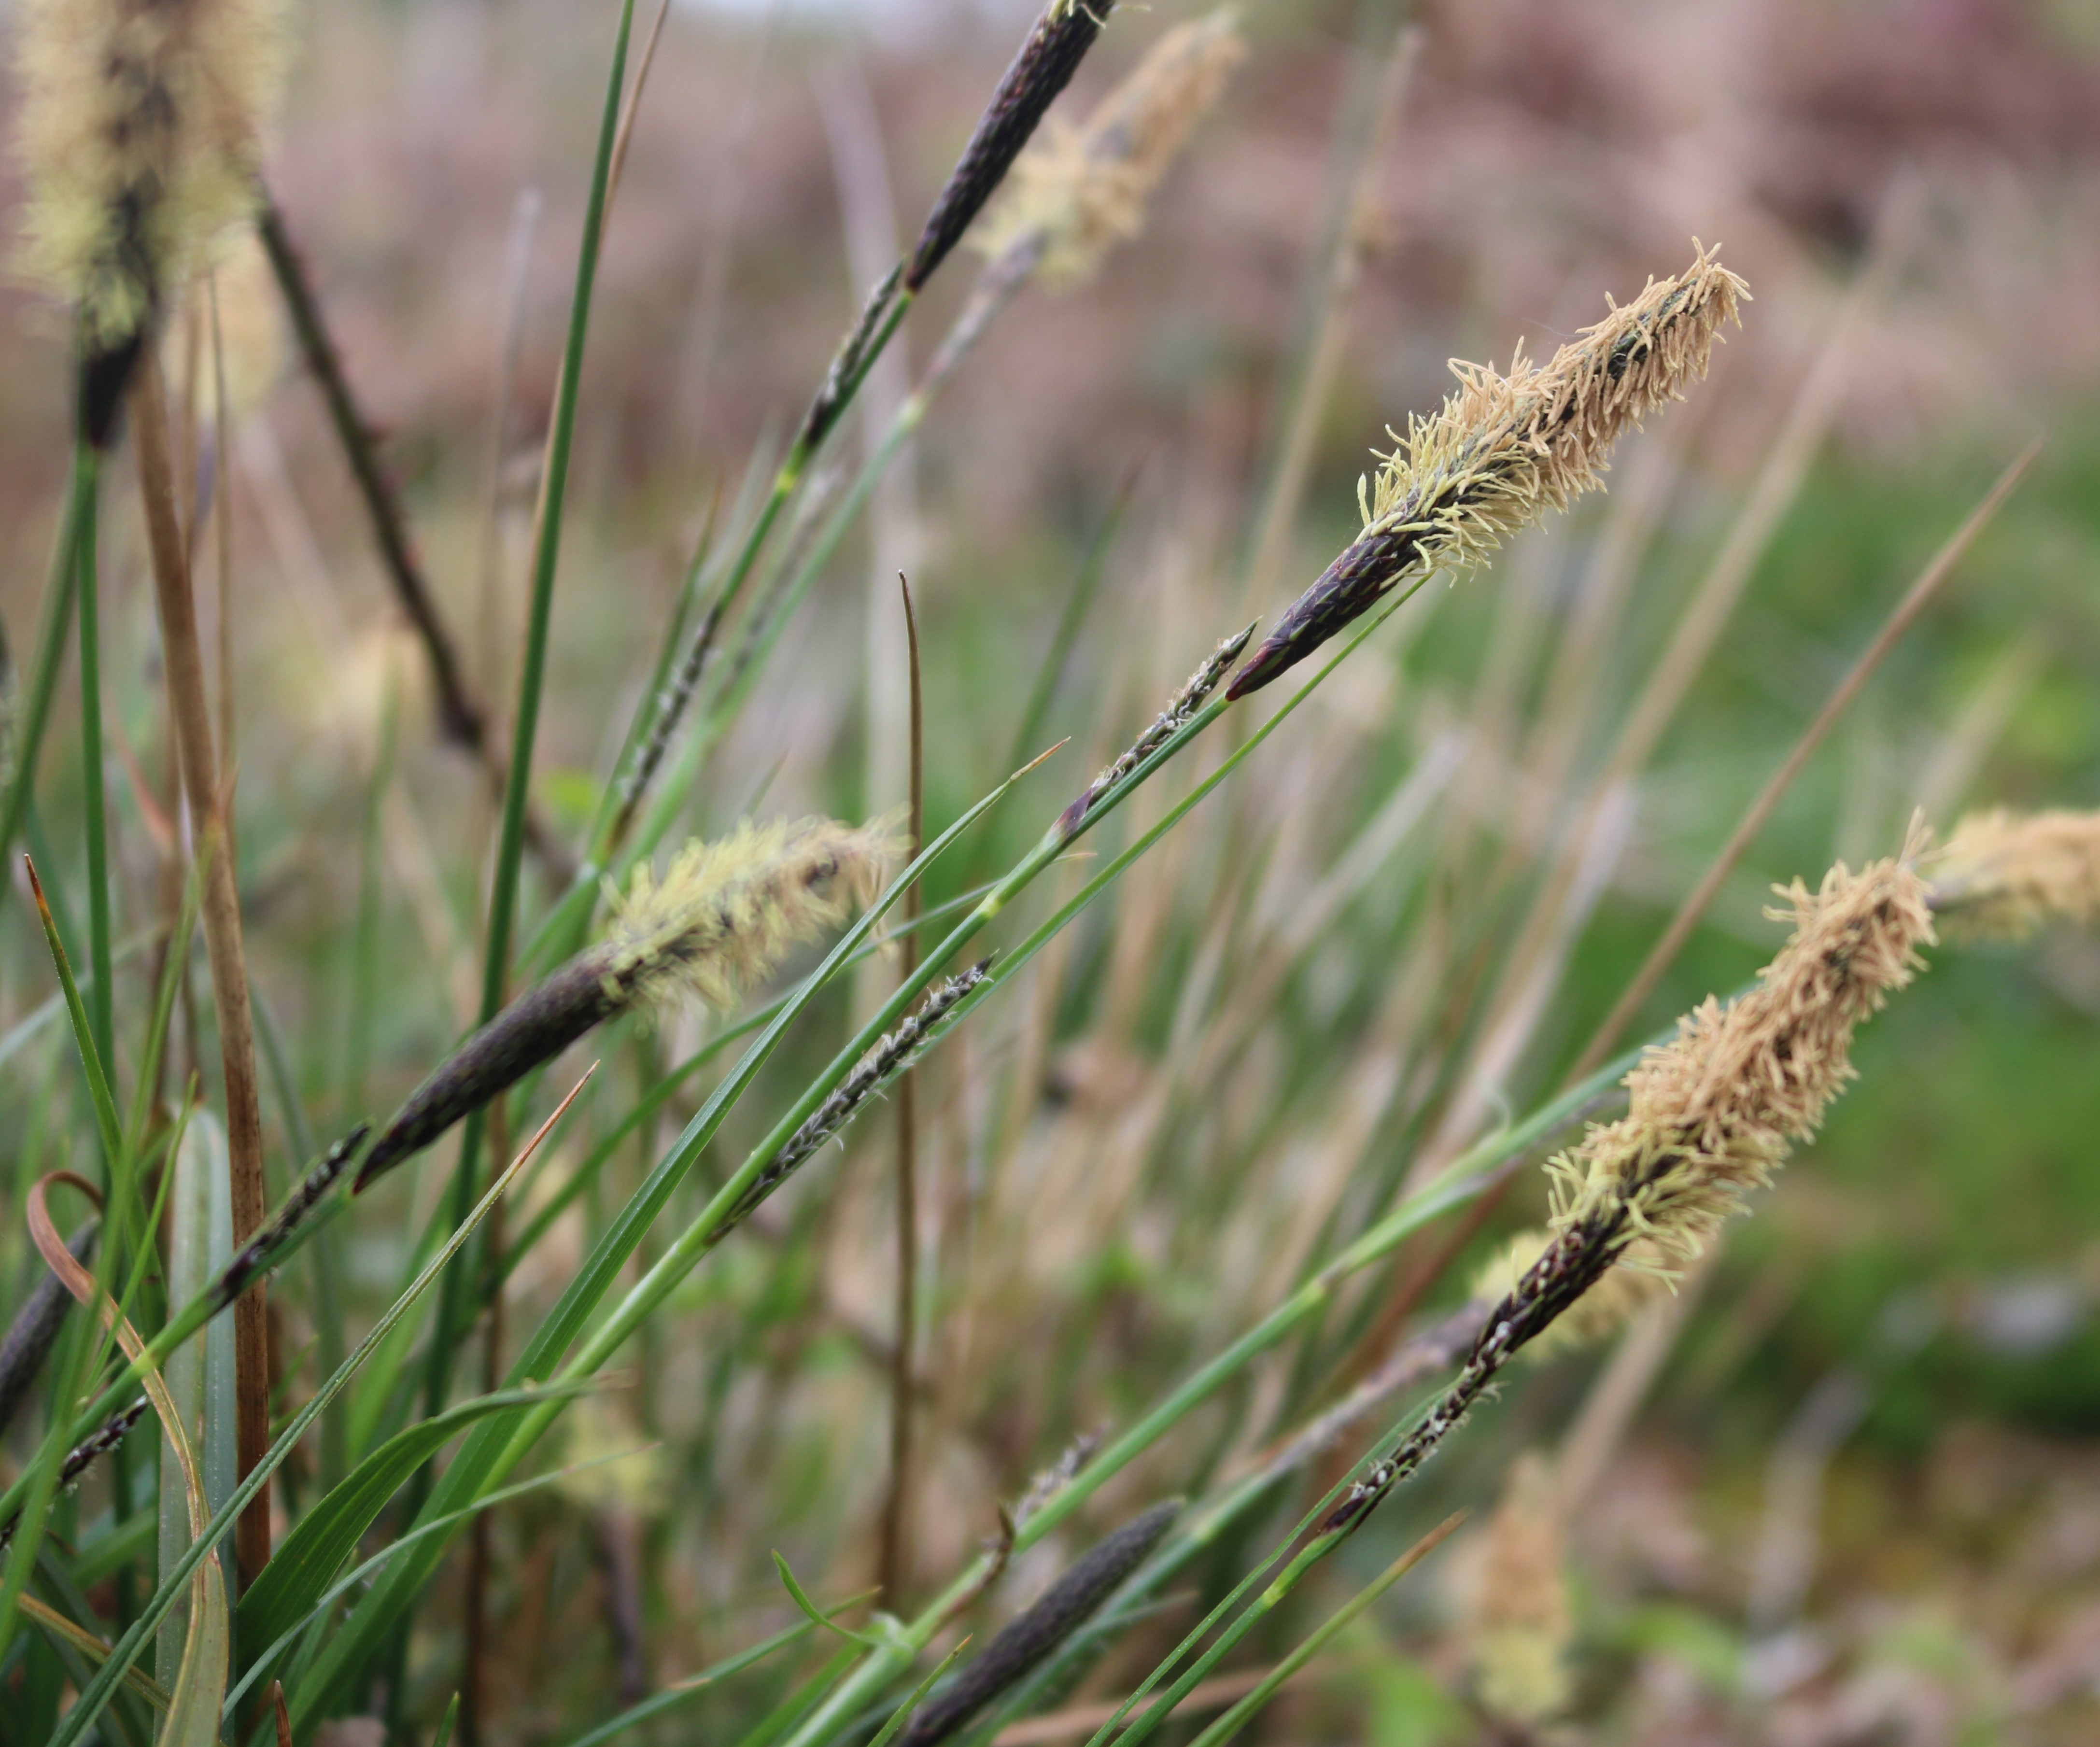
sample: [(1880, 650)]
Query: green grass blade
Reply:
[(1225, 1727), (328, 1534), (510, 844), (81, 1717), (60, 593), (484, 1456)]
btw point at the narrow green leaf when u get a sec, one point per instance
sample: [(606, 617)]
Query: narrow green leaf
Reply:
[(811, 1611), (329, 1533), (902, 1714)]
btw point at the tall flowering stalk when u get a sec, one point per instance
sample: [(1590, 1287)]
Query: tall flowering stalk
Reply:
[(1504, 450), (1710, 1116), (1079, 191)]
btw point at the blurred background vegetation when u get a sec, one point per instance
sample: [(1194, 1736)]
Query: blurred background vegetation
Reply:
[(1896, 1361)]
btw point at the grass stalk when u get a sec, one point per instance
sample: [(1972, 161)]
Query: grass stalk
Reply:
[(503, 893), (61, 593), (88, 1706), (463, 716), (896, 1507), (211, 808), (102, 992)]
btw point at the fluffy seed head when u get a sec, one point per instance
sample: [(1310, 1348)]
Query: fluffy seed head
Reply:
[(1518, 1624), (2002, 875), (141, 133), (1504, 450), (725, 913), (1714, 1111), (1078, 191), (720, 918)]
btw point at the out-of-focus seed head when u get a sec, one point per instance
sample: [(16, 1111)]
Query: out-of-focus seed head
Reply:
[(722, 917), (1517, 1623), (1504, 450), (141, 134), (2004, 876), (1078, 192), (725, 913)]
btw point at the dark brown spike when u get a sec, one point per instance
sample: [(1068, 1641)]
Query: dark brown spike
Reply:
[(1043, 68)]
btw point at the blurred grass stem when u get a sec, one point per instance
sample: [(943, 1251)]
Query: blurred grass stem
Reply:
[(1664, 953), (897, 1508), (210, 810)]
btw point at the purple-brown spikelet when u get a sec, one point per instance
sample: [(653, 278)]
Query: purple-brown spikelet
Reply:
[(1710, 1115), (1180, 710), (34, 1329), (718, 921), (85, 1455), (140, 129), (2002, 875), (1038, 1630), (266, 1248), (1043, 68), (1504, 450), (1079, 191)]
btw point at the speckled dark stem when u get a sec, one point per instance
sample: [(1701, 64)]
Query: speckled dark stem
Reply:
[(1573, 1262), (1037, 1630), (90, 1450), (261, 1251)]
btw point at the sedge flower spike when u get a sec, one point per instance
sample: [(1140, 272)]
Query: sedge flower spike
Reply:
[(141, 135), (1517, 1622), (1711, 1114), (1044, 67), (719, 919), (1505, 450), (1079, 191), (2002, 875)]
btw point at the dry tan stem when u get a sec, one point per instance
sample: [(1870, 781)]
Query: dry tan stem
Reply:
[(1664, 953), (221, 916)]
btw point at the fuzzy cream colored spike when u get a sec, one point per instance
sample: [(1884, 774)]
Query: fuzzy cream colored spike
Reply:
[(1714, 1111), (1505, 450), (722, 917), (724, 913), (141, 135), (2004, 876)]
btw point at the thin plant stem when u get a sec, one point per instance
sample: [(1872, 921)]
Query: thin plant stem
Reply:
[(1919, 595), (102, 995), (503, 893), (897, 1507), (1364, 127), (463, 716), (61, 591), (210, 809)]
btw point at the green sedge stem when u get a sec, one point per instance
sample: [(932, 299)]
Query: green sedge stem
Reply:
[(511, 849)]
